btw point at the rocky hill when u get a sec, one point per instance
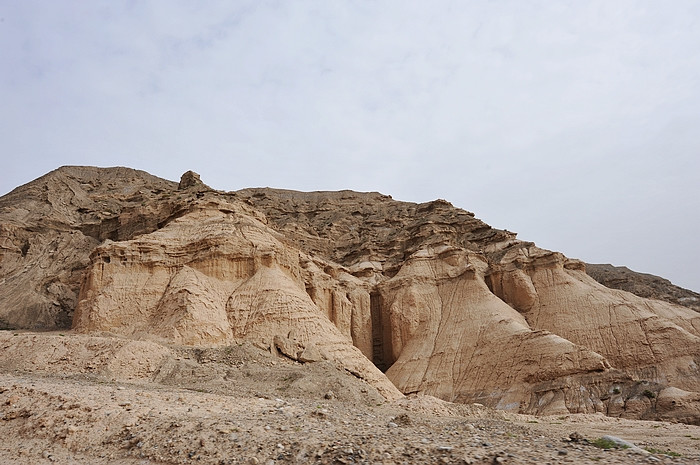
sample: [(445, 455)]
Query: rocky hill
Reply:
[(409, 298), (643, 284)]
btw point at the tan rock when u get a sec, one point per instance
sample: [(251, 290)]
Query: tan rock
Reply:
[(679, 405), (210, 277), (443, 303), (649, 339), (448, 336)]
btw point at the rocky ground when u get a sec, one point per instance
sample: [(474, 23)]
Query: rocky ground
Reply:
[(241, 404)]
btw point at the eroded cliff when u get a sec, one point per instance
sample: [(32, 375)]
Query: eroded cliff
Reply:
[(424, 297)]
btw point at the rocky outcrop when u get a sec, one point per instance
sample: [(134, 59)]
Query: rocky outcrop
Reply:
[(651, 339), (425, 298), (49, 227), (448, 335), (213, 276), (643, 285), (191, 180)]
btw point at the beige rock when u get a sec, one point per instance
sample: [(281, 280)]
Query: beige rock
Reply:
[(49, 227), (190, 179), (441, 302), (448, 336), (310, 354), (210, 277), (675, 404), (649, 339)]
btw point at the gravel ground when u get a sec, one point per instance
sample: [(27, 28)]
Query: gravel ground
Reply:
[(55, 420)]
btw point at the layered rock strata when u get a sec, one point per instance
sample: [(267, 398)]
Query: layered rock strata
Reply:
[(426, 293), (643, 285)]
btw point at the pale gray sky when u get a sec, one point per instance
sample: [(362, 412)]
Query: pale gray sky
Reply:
[(575, 124)]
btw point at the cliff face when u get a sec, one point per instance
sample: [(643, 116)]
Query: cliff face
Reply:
[(420, 297), (49, 227)]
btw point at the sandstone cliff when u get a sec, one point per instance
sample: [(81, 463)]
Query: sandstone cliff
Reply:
[(436, 299)]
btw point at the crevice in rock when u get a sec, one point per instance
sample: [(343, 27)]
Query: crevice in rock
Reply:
[(489, 283), (25, 248), (489, 280), (378, 357)]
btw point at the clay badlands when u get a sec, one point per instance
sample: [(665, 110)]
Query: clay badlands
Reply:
[(150, 321)]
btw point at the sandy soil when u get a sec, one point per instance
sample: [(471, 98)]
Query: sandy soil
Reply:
[(243, 405)]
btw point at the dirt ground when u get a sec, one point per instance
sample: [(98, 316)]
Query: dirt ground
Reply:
[(68, 399)]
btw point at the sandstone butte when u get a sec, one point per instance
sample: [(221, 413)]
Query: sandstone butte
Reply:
[(411, 298)]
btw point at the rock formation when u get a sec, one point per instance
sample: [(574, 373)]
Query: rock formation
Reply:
[(420, 297), (643, 284)]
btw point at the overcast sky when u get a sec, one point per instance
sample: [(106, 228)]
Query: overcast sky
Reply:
[(574, 123)]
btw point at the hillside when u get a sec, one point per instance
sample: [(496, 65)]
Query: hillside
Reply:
[(643, 284), (409, 298)]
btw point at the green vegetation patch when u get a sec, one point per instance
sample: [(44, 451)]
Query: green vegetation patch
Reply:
[(602, 443), (670, 453)]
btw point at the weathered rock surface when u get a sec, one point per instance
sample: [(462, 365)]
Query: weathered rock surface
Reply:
[(643, 284), (442, 303), (49, 227), (214, 276)]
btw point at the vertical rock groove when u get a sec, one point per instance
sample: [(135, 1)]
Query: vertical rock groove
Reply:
[(375, 305)]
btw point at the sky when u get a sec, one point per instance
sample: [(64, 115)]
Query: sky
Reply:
[(575, 124)]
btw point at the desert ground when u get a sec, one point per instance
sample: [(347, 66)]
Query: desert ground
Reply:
[(67, 398)]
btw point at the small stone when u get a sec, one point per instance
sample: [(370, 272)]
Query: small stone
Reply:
[(329, 395), (444, 448), (391, 424), (562, 452), (310, 354), (403, 420)]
